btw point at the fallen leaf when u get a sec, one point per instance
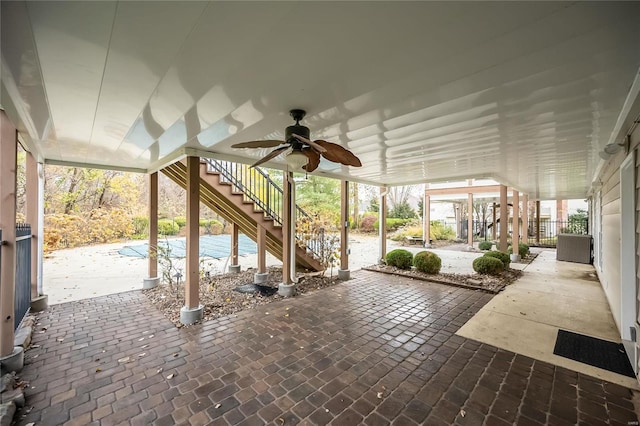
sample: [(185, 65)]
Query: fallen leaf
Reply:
[(98, 370), (30, 424), (286, 316), (326, 410), (141, 339), (379, 395), (142, 354), (175, 355), (159, 370), (150, 336), (281, 420), (228, 299), (463, 413), (170, 376), (217, 405), (124, 360), (60, 339), (144, 346)]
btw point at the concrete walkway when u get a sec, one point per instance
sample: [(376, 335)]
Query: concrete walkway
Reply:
[(374, 350), (551, 295)]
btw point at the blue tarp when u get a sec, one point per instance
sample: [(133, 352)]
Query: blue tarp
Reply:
[(216, 246)]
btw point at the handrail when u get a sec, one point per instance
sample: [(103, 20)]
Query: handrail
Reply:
[(257, 187)]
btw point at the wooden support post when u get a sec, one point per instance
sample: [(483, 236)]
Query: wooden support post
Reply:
[(538, 222), (525, 218), (262, 249), (192, 279), (8, 166), (470, 220), (234, 244), (286, 233), (493, 228), (504, 219), (343, 272), (426, 215), (153, 225), (32, 195), (515, 240), (382, 222)]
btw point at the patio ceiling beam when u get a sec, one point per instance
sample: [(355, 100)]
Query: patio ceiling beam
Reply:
[(463, 190)]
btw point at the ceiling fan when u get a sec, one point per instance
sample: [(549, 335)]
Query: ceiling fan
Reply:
[(303, 153)]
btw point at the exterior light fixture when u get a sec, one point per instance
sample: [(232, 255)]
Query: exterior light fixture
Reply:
[(296, 160)]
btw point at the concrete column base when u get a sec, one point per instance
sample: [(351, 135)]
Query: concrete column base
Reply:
[(190, 316), (150, 282), (515, 257), (344, 274), (234, 269), (14, 361), (286, 290), (260, 277), (40, 303)]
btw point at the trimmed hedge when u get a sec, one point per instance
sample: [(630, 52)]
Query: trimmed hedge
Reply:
[(503, 257), (427, 262), (485, 245), (167, 227), (523, 250), (400, 258), (488, 265)]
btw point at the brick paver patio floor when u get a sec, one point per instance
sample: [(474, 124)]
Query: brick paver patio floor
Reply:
[(374, 350)]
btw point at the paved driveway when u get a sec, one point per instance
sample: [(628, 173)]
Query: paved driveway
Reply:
[(374, 350)]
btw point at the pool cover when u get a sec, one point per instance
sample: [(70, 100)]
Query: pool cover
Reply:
[(216, 246)]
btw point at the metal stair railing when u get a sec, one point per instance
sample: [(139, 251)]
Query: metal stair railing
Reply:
[(257, 187)]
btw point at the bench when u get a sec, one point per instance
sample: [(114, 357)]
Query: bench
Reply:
[(415, 240)]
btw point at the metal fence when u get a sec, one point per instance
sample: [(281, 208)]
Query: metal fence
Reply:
[(22, 298), (543, 235)]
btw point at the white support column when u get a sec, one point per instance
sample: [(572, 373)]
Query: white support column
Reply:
[(426, 217), (504, 220), (193, 310), (11, 359), (343, 272), (153, 279), (382, 222), (515, 239), (525, 218), (470, 219)]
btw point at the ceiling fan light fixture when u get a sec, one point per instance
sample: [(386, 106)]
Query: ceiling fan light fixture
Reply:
[(296, 160)]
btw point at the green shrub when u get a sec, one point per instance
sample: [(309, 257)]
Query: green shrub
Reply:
[(168, 227), (523, 250), (485, 245), (392, 224), (488, 265), (140, 225), (211, 226), (427, 262), (181, 221), (400, 258), (503, 257)]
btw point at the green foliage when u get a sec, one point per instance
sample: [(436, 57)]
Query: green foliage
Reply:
[(374, 205), (167, 227), (320, 197), (488, 265), (400, 258), (181, 221), (212, 226), (407, 231), (578, 223), (485, 245), (402, 211), (441, 232), (420, 209), (392, 224), (523, 250), (427, 262), (140, 225), (503, 257)]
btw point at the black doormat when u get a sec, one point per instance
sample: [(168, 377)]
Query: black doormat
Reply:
[(256, 288), (599, 353)]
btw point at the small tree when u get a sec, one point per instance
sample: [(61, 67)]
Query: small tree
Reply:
[(402, 211)]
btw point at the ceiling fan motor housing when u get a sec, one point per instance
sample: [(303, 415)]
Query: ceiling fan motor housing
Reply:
[(298, 130)]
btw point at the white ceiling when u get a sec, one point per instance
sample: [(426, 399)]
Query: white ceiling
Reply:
[(526, 93)]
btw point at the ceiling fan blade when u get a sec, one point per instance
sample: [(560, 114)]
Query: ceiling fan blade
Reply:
[(309, 142), (338, 154), (314, 159), (270, 155), (258, 144)]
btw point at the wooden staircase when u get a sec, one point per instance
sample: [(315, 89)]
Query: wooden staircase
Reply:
[(220, 196)]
